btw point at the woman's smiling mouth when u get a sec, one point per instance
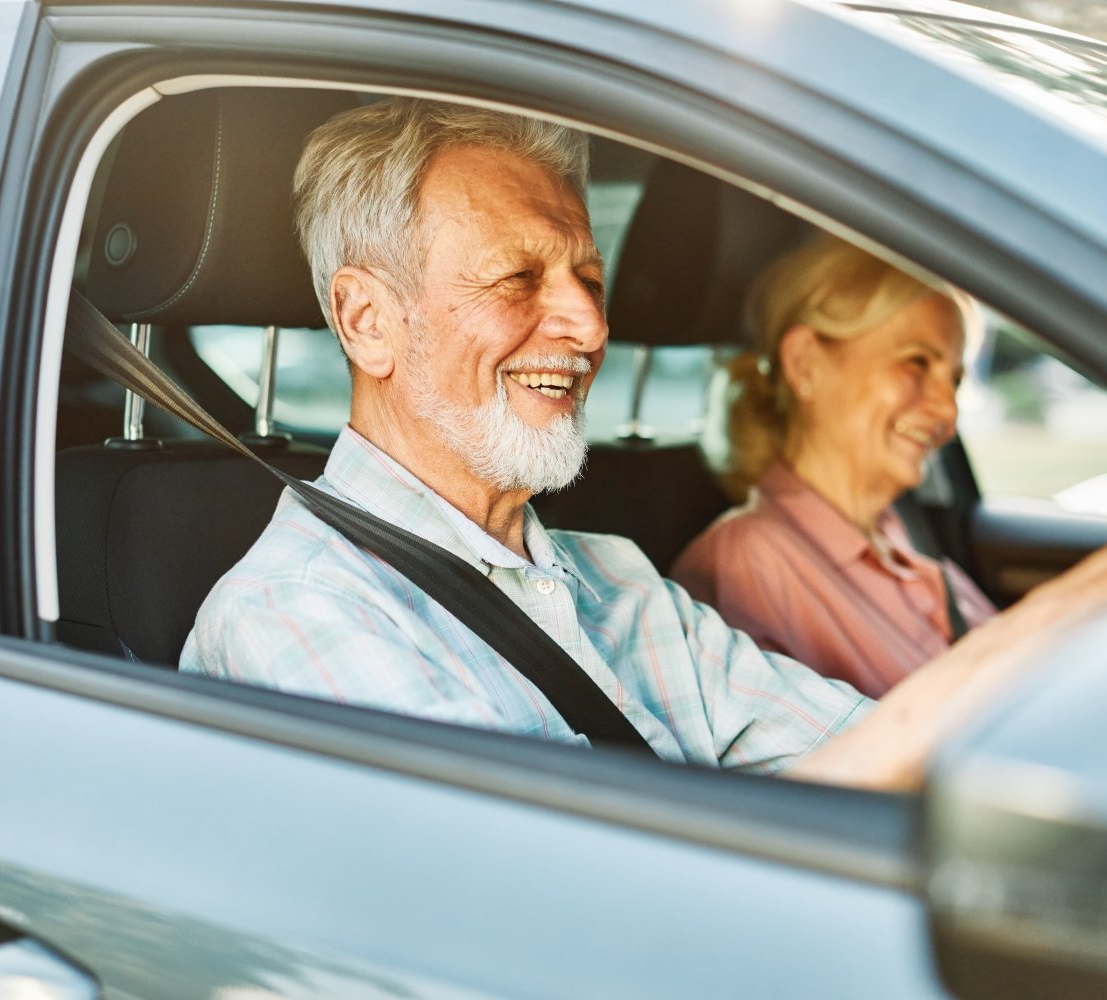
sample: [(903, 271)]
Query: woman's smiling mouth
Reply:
[(923, 438)]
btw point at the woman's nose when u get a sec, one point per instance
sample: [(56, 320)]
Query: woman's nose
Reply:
[(942, 400)]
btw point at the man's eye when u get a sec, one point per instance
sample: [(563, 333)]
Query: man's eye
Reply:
[(595, 286)]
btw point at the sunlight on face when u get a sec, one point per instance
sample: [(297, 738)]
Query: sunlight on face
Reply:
[(497, 445), (884, 400)]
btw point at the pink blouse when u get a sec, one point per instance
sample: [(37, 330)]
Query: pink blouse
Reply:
[(800, 578)]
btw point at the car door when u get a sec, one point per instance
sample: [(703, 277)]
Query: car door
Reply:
[(1031, 463), (179, 837)]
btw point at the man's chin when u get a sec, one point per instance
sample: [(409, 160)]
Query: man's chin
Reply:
[(564, 484), (534, 461)]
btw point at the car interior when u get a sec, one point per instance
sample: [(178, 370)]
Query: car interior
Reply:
[(189, 224)]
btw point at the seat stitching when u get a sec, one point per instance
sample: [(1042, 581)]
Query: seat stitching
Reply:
[(198, 267)]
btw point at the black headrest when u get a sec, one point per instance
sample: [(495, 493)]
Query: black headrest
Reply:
[(195, 224), (692, 248)]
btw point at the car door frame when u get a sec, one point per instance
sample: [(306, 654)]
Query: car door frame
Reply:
[(706, 132)]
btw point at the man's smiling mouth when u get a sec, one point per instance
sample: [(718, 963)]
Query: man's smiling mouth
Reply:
[(553, 384)]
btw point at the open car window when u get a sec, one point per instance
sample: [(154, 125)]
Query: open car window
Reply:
[(1033, 425), (237, 840)]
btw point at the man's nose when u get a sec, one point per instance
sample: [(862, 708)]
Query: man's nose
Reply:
[(574, 312)]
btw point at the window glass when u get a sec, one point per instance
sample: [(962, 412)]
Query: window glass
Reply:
[(9, 21), (673, 400), (312, 384), (1032, 425)]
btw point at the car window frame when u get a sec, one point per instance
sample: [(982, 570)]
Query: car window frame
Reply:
[(596, 95)]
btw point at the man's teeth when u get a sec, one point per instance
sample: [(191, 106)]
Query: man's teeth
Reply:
[(552, 384)]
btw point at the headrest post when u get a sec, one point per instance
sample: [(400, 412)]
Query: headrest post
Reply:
[(634, 429), (264, 434), (263, 412), (134, 407)]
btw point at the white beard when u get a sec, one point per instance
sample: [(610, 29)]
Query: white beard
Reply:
[(495, 442)]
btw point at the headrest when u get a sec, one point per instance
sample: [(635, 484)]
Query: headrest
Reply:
[(195, 225), (692, 248)]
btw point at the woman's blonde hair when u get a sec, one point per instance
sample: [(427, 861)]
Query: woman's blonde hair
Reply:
[(828, 284)]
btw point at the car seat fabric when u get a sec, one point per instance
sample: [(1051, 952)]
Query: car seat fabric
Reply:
[(194, 227), (196, 224), (145, 535)]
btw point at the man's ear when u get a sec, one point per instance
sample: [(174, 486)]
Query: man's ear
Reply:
[(799, 359), (364, 312)]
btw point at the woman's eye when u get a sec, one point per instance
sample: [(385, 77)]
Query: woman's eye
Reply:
[(595, 286)]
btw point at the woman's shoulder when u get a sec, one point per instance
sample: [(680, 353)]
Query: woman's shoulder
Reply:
[(758, 521), (751, 534)]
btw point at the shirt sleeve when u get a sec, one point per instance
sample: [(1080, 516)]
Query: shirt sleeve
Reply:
[(324, 643), (765, 710)]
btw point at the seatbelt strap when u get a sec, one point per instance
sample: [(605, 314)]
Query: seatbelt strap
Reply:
[(957, 624), (922, 536), (460, 588)]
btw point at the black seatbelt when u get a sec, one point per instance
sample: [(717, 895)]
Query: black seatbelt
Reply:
[(957, 624), (460, 588), (922, 536)]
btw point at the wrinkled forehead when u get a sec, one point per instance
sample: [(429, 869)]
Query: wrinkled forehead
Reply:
[(483, 195)]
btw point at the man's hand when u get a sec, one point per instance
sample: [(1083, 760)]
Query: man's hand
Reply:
[(890, 748)]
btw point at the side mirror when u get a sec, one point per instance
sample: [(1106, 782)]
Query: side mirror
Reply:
[(1016, 838)]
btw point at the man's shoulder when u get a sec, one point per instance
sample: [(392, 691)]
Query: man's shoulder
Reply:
[(297, 549)]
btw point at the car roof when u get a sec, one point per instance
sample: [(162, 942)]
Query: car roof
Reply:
[(958, 111), (957, 79)]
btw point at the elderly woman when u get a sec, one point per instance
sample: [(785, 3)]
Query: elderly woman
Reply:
[(853, 389)]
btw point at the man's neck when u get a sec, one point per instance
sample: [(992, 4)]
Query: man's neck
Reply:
[(497, 512)]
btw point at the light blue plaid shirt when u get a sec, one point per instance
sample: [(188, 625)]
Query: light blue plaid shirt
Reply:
[(307, 611)]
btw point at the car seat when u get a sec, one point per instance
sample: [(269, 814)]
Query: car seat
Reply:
[(194, 226)]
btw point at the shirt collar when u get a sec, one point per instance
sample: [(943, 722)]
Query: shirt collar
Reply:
[(824, 524), (360, 472)]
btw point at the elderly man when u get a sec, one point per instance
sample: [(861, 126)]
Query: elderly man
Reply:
[(452, 253)]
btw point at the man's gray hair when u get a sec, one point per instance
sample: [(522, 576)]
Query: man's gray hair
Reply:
[(357, 183)]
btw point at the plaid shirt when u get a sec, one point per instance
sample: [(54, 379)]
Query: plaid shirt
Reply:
[(306, 611)]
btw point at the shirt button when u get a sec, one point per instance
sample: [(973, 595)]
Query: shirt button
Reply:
[(546, 586)]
